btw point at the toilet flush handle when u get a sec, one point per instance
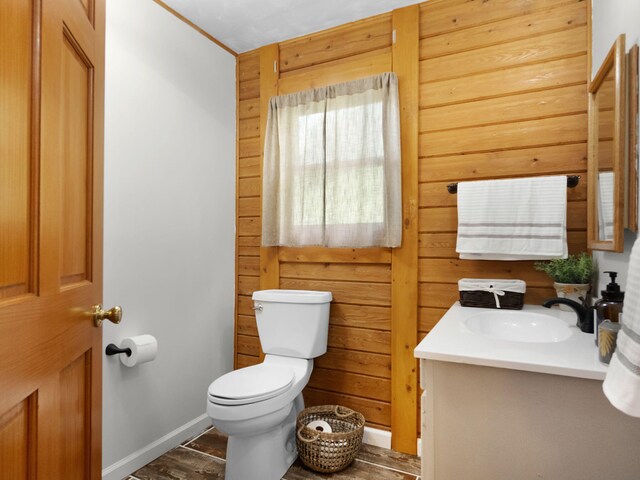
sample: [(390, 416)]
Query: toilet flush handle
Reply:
[(258, 307)]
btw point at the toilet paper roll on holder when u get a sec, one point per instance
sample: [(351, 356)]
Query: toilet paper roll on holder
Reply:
[(113, 349)]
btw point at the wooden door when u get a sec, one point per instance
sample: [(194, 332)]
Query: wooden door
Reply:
[(51, 143)]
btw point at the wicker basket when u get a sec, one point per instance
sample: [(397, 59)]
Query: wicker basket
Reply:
[(329, 452), (486, 293)]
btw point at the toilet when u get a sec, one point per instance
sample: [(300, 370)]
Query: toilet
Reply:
[(257, 406)]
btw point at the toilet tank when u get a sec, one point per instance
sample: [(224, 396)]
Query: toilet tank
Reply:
[(292, 323)]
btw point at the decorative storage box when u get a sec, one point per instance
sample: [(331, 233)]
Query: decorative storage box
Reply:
[(488, 293)]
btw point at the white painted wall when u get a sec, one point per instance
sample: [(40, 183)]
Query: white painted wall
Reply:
[(610, 18), (169, 226)]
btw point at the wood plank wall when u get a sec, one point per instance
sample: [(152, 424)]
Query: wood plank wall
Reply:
[(356, 370), (502, 94)]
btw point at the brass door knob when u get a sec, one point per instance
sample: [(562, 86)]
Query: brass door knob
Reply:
[(114, 315)]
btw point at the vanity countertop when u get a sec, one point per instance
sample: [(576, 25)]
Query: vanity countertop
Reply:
[(451, 341)]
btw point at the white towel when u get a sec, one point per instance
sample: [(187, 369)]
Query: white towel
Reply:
[(515, 219), (605, 205), (622, 384)]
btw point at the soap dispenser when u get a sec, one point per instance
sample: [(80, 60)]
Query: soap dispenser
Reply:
[(609, 306)]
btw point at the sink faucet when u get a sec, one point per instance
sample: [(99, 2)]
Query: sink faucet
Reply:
[(584, 312)]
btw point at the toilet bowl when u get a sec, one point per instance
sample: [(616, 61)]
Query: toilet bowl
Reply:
[(257, 406), (261, 430)]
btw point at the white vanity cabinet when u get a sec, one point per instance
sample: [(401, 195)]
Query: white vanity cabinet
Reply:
[(499, 410)]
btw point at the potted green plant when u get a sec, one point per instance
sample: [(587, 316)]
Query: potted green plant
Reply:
[(571, 276)]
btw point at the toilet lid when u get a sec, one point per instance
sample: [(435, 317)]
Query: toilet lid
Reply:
[(251, 384)]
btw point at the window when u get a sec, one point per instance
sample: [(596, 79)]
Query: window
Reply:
[(332, 166)]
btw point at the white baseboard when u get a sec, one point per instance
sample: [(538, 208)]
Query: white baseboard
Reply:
[(382, 438), (376, 437), (140, 458)]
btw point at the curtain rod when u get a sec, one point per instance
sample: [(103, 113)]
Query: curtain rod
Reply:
[(572, 182)]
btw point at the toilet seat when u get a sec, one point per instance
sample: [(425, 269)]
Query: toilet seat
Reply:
[(251, 384)]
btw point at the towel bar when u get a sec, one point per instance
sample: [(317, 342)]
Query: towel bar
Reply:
[(572, 182)]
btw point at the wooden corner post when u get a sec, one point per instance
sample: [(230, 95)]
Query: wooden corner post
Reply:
[(404, 260), (269, 57), (269, 73)]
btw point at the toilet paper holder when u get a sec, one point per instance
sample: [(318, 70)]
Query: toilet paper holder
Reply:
[(137, 350), (115, 350)]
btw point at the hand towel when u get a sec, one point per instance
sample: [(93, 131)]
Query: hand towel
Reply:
[(605, 205), (622, 383), (514, 219)]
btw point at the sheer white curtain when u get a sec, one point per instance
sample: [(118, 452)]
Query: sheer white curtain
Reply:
[(332, 174)]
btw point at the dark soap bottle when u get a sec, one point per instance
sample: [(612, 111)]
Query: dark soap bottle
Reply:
[(609, 306)]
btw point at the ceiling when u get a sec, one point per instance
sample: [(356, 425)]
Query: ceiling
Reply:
[(243, 25)]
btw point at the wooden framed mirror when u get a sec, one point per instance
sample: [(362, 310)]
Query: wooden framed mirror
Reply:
[(632, 155), (607, 167)]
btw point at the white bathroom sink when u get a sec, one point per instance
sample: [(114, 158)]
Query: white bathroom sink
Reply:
[(519, 326)]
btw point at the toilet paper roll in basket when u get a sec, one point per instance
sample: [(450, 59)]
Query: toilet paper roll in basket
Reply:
[(143, 349), (320, 426)]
